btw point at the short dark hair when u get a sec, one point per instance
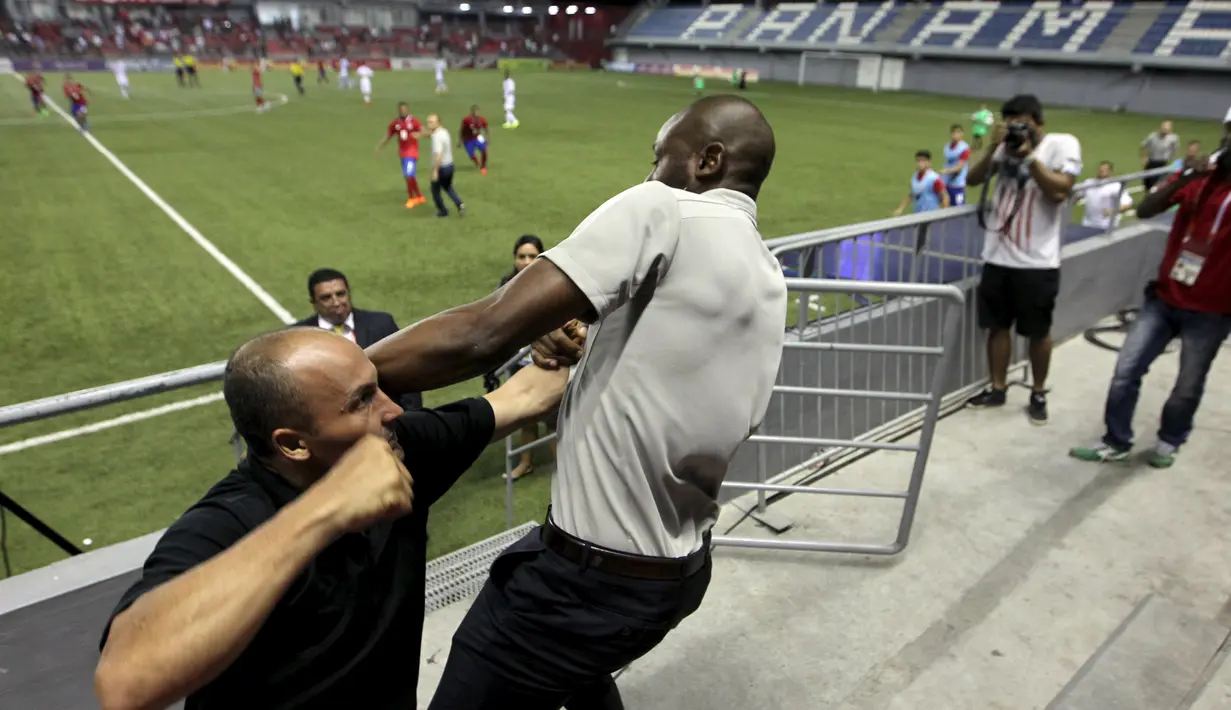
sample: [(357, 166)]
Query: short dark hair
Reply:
[(1192, 143), (474, 108), (320, 276), (1108, 163), (956, 127), (1023, 105), (530, 239), (924, 154), (262, 394)]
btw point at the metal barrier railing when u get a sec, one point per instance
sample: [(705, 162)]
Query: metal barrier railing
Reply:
[(870, 262), (950, 317)]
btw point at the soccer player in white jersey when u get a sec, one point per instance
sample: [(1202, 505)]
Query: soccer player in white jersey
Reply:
[(364, 72), (121, 76), (343, 73), (510, 100), (1034, 172), (441, 64)]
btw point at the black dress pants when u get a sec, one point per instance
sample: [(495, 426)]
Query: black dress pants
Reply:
[(546, 633)]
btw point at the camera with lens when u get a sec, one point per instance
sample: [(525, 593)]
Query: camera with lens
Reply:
[(1016, 135)]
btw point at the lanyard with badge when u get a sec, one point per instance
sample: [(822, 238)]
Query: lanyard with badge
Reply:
[(1194, 250)]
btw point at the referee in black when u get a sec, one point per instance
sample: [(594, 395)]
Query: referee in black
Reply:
[(442, 168)]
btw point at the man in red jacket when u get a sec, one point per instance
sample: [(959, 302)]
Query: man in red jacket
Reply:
[(1191, 300)]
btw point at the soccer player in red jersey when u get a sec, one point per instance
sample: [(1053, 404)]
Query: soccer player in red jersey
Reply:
[(34, 82), (258, 88), (407, 128), (76, 94), (473, 136)]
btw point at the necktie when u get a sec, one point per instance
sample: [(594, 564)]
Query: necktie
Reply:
[(340, 329)]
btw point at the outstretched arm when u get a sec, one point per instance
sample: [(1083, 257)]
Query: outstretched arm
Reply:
[(469, 340)]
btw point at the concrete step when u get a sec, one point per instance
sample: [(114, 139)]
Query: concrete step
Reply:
[(1123, 39), (1153, 661), (904, 20), (1215, 694)]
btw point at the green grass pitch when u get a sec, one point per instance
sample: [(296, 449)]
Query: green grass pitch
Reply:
[(103, 287)]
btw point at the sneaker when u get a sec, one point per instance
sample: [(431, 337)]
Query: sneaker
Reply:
[(461, 210), (482, 171), (1163, 455), (989, 397), (1037, 409), (442, 214), (1100, 452)]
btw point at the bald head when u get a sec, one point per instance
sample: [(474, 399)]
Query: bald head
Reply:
[(717, 142), (264, 382), (433, 122)]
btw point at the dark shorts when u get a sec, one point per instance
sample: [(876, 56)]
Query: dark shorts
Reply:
[(1025, 297)]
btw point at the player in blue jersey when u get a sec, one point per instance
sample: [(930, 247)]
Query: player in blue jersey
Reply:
[(927, 189), (957, 162)]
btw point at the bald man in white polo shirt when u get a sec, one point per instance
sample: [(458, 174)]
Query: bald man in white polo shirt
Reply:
[(687, 309)]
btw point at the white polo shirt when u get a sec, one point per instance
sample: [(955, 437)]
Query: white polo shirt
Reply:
[(442, 146), (678, 370), (1032, 238), (1103, 205)]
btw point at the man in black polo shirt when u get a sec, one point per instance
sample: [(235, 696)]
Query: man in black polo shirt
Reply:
[(298, 580)]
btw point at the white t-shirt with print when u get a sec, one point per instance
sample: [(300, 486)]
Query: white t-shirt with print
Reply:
[(1032, 239)]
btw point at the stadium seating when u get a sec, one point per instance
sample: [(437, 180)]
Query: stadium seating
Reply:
[(1196, 29)]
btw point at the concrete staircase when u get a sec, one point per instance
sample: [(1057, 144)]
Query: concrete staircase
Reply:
[(750, 18), (1123, 39), (906, 17)]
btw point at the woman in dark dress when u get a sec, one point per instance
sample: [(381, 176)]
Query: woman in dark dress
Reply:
[(525, 250)]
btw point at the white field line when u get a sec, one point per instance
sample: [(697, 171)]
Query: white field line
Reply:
[(253, 287), (109, 423), (282, 99)]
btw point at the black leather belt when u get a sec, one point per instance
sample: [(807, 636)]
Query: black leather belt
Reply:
[(588, 555)]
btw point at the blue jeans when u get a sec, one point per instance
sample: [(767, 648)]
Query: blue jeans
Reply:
[(1201, 336)]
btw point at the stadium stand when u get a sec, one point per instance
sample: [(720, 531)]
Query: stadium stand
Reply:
[(1196, 30)]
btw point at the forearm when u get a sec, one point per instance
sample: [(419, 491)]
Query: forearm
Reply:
[(529, 396), (981, 171), (470, 340), (439, 351), (1160, 199), (1054, 185), (183, 634)]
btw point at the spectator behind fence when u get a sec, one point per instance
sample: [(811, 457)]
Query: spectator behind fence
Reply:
[(1192, 154), (1021, 247), (330, 293), (1190, 300), (1104, 203), (1157, 150), (525, 250), (298, 580)]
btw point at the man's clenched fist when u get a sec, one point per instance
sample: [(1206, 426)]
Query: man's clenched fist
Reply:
[(367, 485)]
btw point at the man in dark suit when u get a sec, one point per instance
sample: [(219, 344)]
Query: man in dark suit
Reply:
[(330, 294)]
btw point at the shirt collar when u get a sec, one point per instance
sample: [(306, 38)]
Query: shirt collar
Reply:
[(349, 323), (735, 199), (280, 490)]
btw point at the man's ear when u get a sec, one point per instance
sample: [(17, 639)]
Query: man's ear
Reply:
[(290, 444), (711, 161)]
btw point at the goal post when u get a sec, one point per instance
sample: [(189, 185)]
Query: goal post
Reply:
[(862, 71)]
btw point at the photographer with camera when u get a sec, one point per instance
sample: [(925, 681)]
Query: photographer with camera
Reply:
[(1023, 223)]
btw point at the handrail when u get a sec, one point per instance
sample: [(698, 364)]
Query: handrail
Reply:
[(69, 402), (849, 231), (92, 397)]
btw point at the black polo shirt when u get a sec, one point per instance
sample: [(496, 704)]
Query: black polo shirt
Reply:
[(348, 631)]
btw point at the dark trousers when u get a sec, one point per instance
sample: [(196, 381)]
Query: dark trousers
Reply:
[(1150, 182), (444, 182), (1201, 336), (546, 633)]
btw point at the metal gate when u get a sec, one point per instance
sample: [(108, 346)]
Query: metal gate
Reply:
[(946, 304)]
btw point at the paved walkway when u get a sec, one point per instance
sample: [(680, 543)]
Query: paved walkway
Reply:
[(1023, 562)]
